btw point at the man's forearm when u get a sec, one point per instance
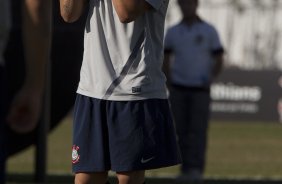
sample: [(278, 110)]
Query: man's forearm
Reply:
[(71, 10), (36, 40), (129, 10)]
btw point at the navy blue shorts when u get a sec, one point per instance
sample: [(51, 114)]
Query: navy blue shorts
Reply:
[(123, 135)]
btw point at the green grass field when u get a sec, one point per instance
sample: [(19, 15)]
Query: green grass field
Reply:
[(236, 150)]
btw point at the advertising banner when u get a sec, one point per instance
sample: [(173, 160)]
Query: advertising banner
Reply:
[(247, 96)]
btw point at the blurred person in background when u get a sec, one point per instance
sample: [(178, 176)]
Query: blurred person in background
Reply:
[(193, 58), (23, 114), (122, 120)]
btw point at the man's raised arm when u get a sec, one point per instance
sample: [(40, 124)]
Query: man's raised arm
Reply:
[(71, 10), (36, 30), (129, 10)]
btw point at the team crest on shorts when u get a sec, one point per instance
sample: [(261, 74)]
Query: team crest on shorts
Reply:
[(75, 156)]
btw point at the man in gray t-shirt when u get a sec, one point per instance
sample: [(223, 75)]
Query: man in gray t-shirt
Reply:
[(122, 104)]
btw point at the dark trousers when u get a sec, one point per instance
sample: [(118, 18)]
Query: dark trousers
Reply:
[(2, 118), (190, 107)]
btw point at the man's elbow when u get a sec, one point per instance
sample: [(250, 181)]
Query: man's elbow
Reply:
[(125, 21), (69, 18), (126, 18)]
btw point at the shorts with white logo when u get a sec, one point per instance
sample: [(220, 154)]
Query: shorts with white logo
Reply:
[(123, 135)]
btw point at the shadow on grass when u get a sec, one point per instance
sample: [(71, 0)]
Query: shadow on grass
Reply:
[(68, 179)]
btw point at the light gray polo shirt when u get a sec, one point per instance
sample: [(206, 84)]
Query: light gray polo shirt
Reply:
[(4, 26), (123, 62), (193, 48)]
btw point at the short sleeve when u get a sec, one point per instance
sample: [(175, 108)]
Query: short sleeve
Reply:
[(168, 41), (215, 41)]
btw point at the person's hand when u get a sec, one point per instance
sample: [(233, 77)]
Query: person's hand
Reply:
[(25, 110)]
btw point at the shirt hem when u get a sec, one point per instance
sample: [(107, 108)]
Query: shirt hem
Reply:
[(156, 95)]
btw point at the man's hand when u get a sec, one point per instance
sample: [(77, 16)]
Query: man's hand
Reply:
[(25, 110)]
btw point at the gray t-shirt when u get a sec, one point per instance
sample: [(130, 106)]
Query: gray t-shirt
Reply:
[(4, 26), (123, 62), (193, 48)]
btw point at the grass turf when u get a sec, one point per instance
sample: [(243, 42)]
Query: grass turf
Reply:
[(236, 150)]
